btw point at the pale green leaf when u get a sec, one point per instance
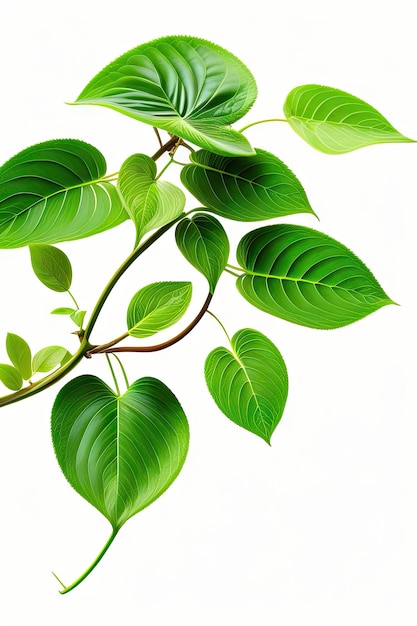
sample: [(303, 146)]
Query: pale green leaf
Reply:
[(10, 377), (336, 122), (249, 383), (20, 355), (187, 86), (78, 317), (305, 277), (204, 243), (245, 189), (156, 307), (63, 311), (53, 191), (120, 453), (150, 203), (48, 358), (52, 266)]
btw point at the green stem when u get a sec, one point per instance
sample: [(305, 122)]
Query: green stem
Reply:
[(123, 370), (113, 375), (217, 320), (164, 168), (232, 273), (271, 119), (73, 299), (93, 564)]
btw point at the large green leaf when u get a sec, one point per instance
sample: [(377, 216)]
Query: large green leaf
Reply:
[(20, 354), (250, 383), (52, 266), (247, 189), (150, 203), (120, 453), (187, 86), (204, 243), (305, 277), (53, 191), (10, 376), (156, 307), (335, 122)]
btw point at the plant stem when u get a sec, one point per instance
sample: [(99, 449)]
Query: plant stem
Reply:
[(73, 299), (113, 375), (271, 119), (217, 320), (123, 370), (164, 168), (93, 564)]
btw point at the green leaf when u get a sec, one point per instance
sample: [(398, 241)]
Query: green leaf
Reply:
[(336, 122), (10, 377), (250, 383), (245, 189), (63, 311), (187, 86), (19, 354), (78, 317), (204, 243), (51, 266), (53, 191), (48, 358), (156, 307), (305, 277), (150, 203), (120, 453)]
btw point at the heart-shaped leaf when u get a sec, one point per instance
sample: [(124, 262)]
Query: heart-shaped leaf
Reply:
[(204, 243), (156, 307), (336, 122), (10, 377), (184, 85), (249, 384), (245, 189), (48, 358), (53, 192), (150, 203), (20, 355), (51, 266), (305, 277), (120, 453)]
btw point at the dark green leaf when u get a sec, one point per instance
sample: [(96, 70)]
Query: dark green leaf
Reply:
[(63, 311), (150, 203), (78, 317), (305, 277), (335, 122), (10, 377), (204, 243), (51, 266), (184, 85), (53, 192), (120, 453), (250, 383), (48, 358), (19, 354), (156, 307), (246, 189)]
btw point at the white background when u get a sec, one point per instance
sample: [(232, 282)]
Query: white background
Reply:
[(318, 530)]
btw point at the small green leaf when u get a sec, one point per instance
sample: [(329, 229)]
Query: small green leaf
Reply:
[(63, 311), (48, 358), (53, 191), (305, 277), (10, 377), (19, 354), (150, 203), (156, 307), (336, 122), (51, 266), (187, 86), (78, 317), (120, 453), (204, 243), (250, 383), (246, 189)]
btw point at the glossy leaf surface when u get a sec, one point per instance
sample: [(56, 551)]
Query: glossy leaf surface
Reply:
[(120, 453), (48, 358), (187, 86), (10, 377), (204, 243), (52, 266), (150, 203), (305, 277), (156, 307), (249, 383), (246, 189), (335, 122), (19, 354), (52, 192)]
